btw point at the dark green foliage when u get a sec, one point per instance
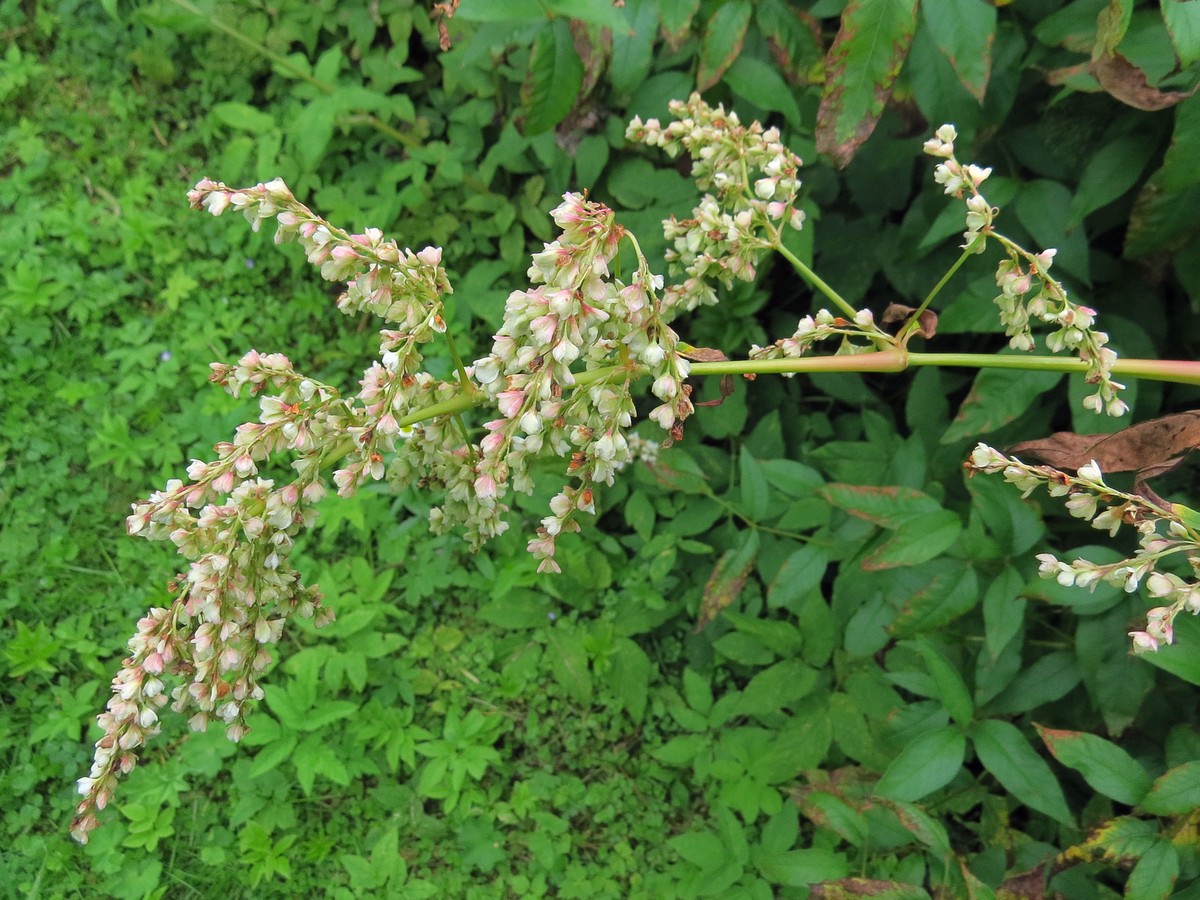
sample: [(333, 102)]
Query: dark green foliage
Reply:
[(883, 688)]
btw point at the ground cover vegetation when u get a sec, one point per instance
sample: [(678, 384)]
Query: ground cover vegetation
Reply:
[(798, 646)]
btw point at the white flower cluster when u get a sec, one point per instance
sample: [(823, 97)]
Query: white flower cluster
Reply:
[(822, 326), (1027, 292), (1088, 497), (753, 182), (575, 313), (239, 588)]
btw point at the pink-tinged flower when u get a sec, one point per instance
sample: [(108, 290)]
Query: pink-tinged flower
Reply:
[(431, 256), (1143, 642), (510, 403), (485, 487)]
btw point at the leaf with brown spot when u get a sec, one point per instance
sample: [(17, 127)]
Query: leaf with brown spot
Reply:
[(727, 579), (860, 68), (1127, 83), (898, 312)]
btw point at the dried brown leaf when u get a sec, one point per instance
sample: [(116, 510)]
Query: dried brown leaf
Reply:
[(1127, 83), (898, 312), (1151, 447), (702, 354)]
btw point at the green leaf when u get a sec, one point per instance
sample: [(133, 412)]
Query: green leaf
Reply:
[(1114, 169), (916, 541), (570, 668), (1154, 876), (1003, 611), (632, 47), (964, 30), (800, 573), (791, 41), (244, 117), (927, 764), (951, 688), (774, 687), (677, 16), (680, 751), (1176, 792), (553, 79), (590, 159), (887, 507), (273, 754), (723, 40), (1180, 658), (1179, 169), (1048, 678), (1044, 208), (798, 868), (1103, 765), (861, 66), (1183, 25), (996, 398), (762, 85), (755, 493), (630, 677), (1005, 753)]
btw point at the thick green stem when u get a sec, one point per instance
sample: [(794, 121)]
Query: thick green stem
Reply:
[(1178, 371)]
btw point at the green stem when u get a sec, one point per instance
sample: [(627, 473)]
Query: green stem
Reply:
[(1177, 371), (914, 321), (463, 378), (282, 61), (816, 281)]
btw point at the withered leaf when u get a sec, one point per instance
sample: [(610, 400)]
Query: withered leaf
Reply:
[(1149, 448), (726, 388), (701, 354), (1127, 83), (898, 312)]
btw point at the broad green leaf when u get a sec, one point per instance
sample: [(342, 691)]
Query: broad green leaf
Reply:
[(755, 492), (796, 48), (861, 66), (798, 868), (1049, 677), (996, 398), (1179, 169), (1003, 610), (517, 610), (1114, 169), (570, 668), (916, 541), (1176, 792), (763, 86), (632, 47), (1161, 220), (792, 478), (723, 40), (887, 507), (273, 754), (800, 573), (1183, 25), (1005, 753), (1103, 765), (951, 688), (777, 686), (677, 18), (680, 751), (553, 79), (927, 764), (1044, 208), (629, 677), (933, 595), (701, 848), (598, 12), (244, 117), (964, 31), (1154, 876), (781, 831)]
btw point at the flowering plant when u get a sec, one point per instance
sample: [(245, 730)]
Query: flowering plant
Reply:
[(558, 382)]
